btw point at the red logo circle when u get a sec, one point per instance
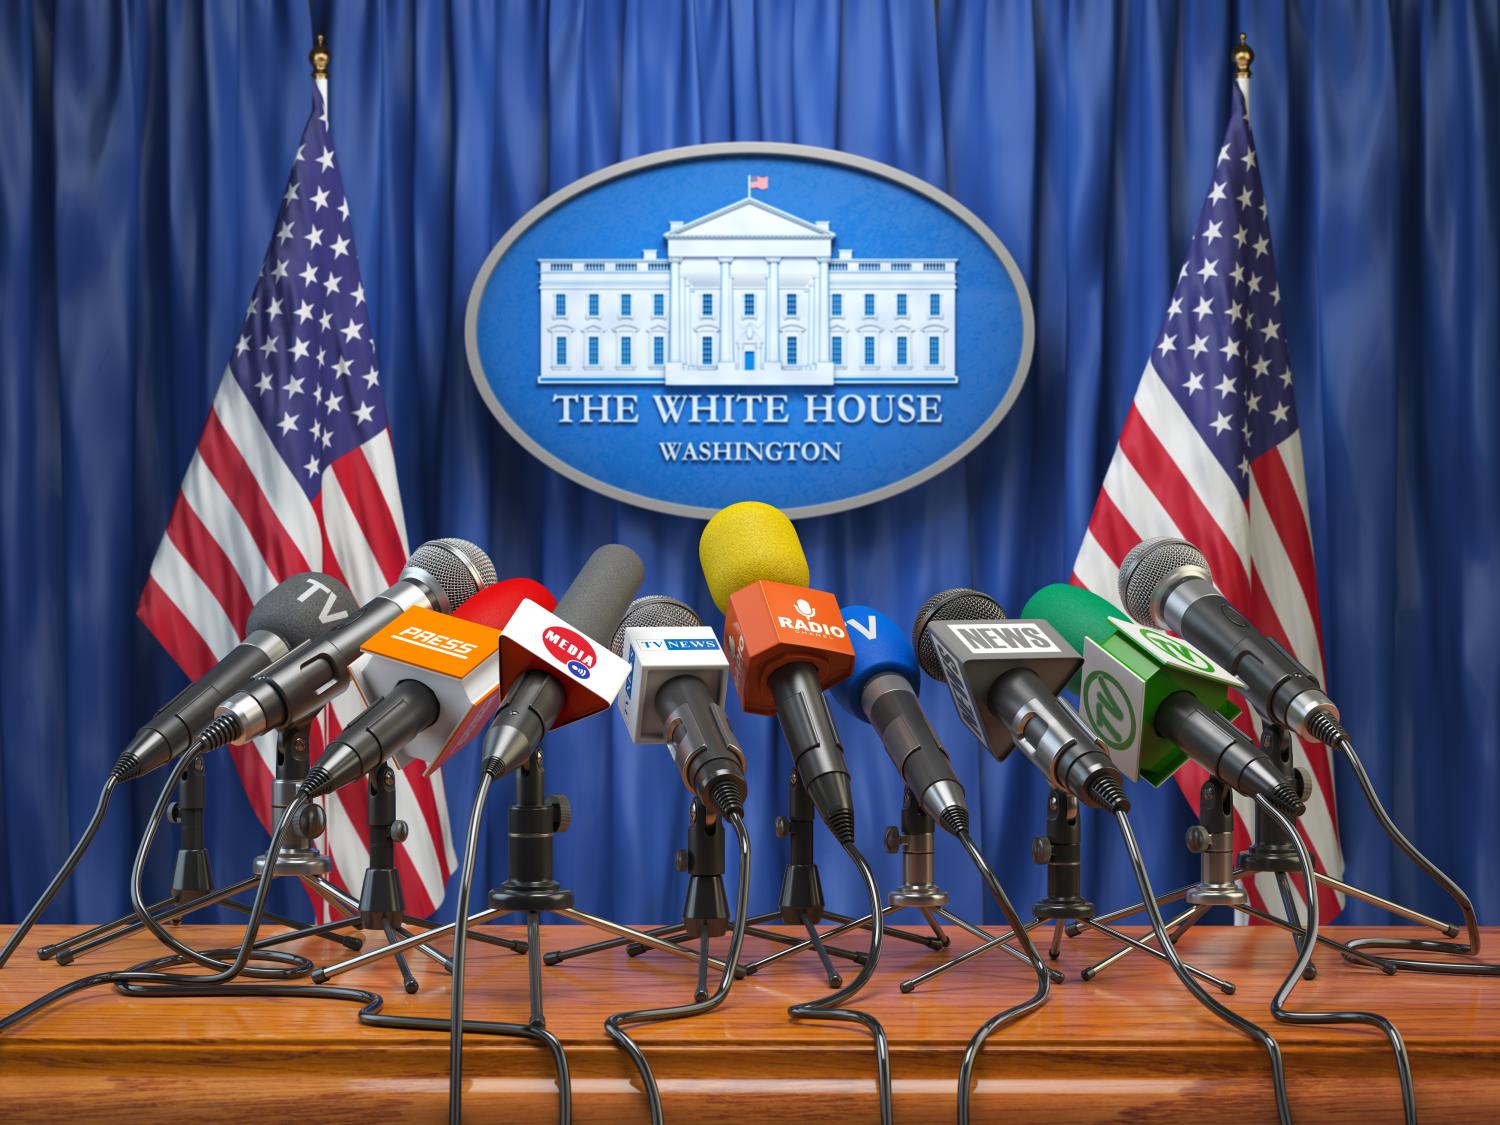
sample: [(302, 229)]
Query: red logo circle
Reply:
[(568, 646)]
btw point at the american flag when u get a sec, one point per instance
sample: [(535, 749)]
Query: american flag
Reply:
[(294, 471), (1210, 452)]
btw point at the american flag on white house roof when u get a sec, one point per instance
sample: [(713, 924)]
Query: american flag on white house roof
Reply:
[(1211, 453), (294, 471)]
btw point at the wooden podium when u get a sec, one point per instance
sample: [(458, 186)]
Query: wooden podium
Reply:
[(1129, 1046)]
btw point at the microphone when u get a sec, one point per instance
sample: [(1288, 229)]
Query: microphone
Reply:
[(1158, 699), (302, 607), (882, 691), (1167, 583), (550, 670), (674, 692), (440, 575), (436, 679), (785, 642), (1005, 676)]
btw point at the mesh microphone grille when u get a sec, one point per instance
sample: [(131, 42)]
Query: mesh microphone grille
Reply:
[(461, 568), (958, 604), (655, 611), (1149, 563)]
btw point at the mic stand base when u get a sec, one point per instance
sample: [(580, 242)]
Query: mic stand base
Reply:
[(1213, 838), (535, 820), (192, 886)]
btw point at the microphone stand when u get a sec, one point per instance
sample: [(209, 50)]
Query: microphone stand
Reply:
[(1274, 852), (919, 890), (1065, 906), (705, 911), (192, 878)]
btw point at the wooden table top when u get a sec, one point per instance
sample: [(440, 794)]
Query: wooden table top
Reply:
[(1130, 1045)]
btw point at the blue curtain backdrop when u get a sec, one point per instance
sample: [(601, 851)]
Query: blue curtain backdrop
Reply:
[(147, 146)]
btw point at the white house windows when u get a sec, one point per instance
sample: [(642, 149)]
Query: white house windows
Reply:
[(774, 296)]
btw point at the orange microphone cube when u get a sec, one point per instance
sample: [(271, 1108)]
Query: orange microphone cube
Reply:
[(768, 625)]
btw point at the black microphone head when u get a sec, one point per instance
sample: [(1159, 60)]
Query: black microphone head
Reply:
[(958, 604), (596, 602), (455, 567), (654, 611), (303, 607), (1148, 568)]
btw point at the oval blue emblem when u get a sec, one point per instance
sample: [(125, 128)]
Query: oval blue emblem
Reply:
[(579, 669), (701, 325)]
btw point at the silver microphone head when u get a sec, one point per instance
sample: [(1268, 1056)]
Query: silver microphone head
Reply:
[(958, 604), (1151, 569), (654, 611), (455, 569)]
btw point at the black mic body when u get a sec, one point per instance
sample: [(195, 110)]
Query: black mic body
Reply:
[(1167, 583), (674, 693), (1005, 676), (440, 575), (295, 612), (538, 698)]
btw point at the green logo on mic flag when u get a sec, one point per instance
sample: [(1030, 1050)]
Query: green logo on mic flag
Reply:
[(1109, 710)]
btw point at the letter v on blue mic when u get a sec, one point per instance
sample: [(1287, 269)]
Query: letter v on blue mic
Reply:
[(882, 691)]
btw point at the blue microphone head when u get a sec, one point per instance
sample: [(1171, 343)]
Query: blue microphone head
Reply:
[(880, 645)]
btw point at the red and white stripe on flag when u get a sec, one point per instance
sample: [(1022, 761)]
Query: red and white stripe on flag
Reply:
[(1210, 452), (295, 471)]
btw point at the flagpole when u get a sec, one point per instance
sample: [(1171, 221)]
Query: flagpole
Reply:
[(319, 57), (1243, 56)]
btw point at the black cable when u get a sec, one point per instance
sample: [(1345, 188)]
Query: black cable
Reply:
[(1234, 1019), (64, 871), (1010, 1015), (615, 1024), (1306, 943), (1433, 872), (295, 966), (826, 1007), (460, 934)]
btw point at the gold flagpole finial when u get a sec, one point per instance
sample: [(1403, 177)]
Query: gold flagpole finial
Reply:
[(319, 56), (1243, 57)]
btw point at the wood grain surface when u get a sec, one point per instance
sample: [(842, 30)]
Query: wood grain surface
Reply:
[(1128, 1046)]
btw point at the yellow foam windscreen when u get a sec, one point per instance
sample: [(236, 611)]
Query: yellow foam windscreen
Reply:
[(750, 542)]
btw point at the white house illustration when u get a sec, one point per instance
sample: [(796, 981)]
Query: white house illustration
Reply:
[(748, 295)]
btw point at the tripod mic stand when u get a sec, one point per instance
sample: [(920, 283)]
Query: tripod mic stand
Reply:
[(1065, 906), (705, 911), (919, 890), (1219, 883), (192, 880)]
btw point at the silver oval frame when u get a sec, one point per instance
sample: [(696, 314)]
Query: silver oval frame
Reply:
[(749, 148)]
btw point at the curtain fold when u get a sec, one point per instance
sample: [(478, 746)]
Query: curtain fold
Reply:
[(147, 146)]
